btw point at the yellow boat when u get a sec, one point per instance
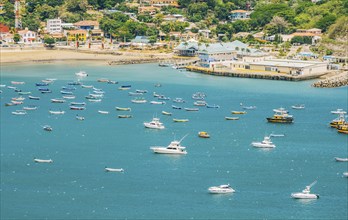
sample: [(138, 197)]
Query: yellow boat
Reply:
[(166, 113), (238, 112), (124, 116), (180, 120), (343, 129), (281, 117), (203, 134), (338, 121), (123, 109)]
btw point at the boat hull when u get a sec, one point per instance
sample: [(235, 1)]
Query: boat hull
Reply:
[(285, 120), (160, 150), (304, 196)]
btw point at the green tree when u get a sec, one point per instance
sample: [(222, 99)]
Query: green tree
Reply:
[(76, 6), (49, 41), (197, 12), (325, 22), (16, 38), (264, 13)]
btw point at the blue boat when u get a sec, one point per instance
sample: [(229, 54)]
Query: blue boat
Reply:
[(66, 92), (43, 89), (74, 83), (47, 91), (176, 107), (41, 84), (70, 88)]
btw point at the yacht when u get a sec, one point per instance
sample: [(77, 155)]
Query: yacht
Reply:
[(155, 124), (221, 189), (266, 143), (302, 106), (338, 159), (281, 117), (338, 111), (305, 194), (173, 148), (43, 160), (81, 74), (108, 169)]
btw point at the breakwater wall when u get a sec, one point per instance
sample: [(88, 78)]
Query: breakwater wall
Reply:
[(338, 80), (253, 75)]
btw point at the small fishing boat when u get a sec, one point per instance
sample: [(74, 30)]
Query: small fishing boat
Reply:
[(19, 112), (249, 107), (212, 106), (77, 103), (203, 134), (98, 92), (17, 102), (108, 169), (96, 96), (238, 112), (9, 104), (34, 97), (176, 107), (43, 160), (47, 128), (345, 174), (102, 80), (87, 86), (232, 118), (141, 91), (180, 120), (58, 100), (2, 85), (81, 74), (191, 109), (298, 107), (41, 84), (166, 113), (158, 103), (135, 94), (222, 189), (80, 118), (57, 112), (69, 97), (30, 108), (277, 135), (75, 83), (20, 98), (123, 109), (343, 128), (43, 89), (338, 159), (305, 194), (179, 100), (17, 83), (24, 93), (94, 100), (163, 98), (66, 92), (124, 116), (126, 87), (75, 107), (139, 101), (158, 85), (200, 103), (154, 124), (103, 112)]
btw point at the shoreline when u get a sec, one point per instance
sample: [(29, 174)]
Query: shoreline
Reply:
[(42, 55)]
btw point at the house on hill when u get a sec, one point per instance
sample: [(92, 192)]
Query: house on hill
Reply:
[(87, 25), (240, 15), (27, 36)]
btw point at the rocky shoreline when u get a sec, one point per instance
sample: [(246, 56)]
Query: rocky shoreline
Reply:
[(339, 80)]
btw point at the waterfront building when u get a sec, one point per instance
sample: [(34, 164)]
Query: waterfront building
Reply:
[(27, 36), (87, 25), (291, 67), (76, 35), (188, 48), (54, 26), (164, 3)]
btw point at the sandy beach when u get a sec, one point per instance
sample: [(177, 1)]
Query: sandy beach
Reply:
[(8, 56)]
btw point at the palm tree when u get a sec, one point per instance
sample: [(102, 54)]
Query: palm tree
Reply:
[(280, 23)]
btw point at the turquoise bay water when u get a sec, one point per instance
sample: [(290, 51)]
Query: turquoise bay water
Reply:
[(160, 186)]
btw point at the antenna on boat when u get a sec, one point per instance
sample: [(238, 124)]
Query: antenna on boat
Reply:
[(183, 138), (312, 184)]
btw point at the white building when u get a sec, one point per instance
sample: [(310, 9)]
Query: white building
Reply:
[(54, 26), (27, 36)]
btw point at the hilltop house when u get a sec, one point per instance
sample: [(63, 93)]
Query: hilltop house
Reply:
[(76, 35), (240, 15), (164, 3)]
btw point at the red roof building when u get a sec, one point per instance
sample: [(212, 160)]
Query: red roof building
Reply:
[(4, 29)]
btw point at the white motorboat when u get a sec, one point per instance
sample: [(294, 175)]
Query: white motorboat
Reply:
[(221, 189), (266, 143), (81, 74), (103, 112), (30, 108), (155, 124), (280, 110), (19, 112), (305, 194), (139, 101), (338, 159), (338, 111), (57, 112), (302, 106), (87, 86), (158, 103), (108, 169), (43, 161), (345, 174), (173, 148)]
